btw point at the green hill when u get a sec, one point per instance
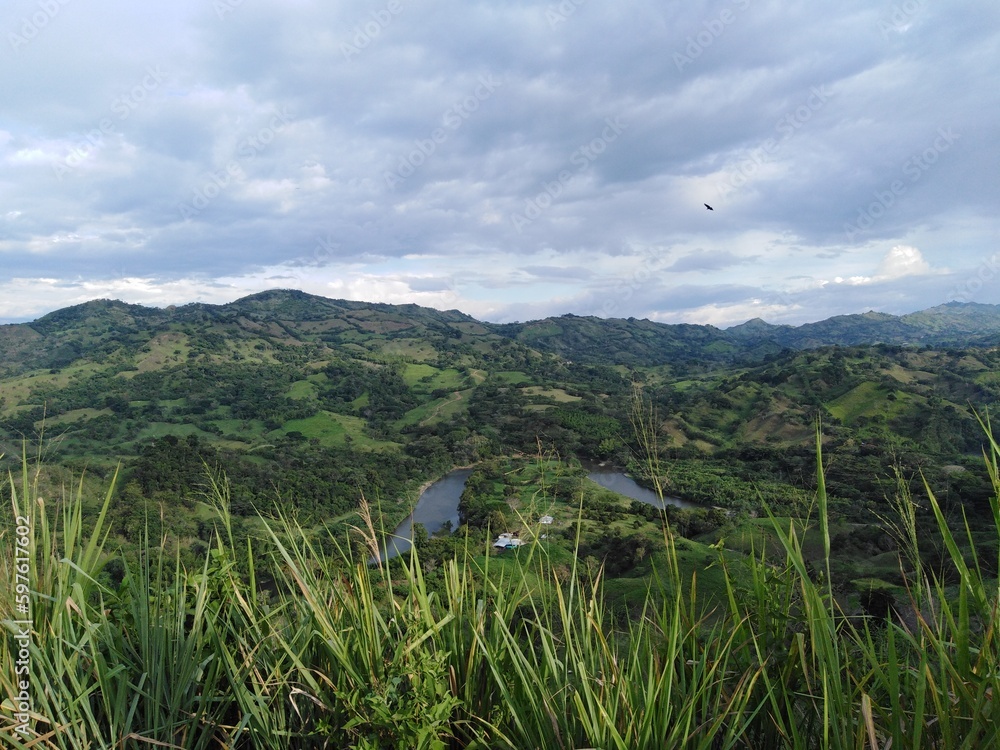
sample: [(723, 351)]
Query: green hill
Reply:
[(257, 438), (955, 324), (275, 384)]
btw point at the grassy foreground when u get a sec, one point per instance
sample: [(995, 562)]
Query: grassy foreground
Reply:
[(285, 644)]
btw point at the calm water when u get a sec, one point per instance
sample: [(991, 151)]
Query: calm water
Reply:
[(437, 505), (623, 485)]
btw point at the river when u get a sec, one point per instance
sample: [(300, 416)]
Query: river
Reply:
[(625, 485), (438, 504)]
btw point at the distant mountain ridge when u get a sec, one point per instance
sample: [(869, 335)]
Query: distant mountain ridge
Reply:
[(284, 316), (951, 324), (103, 326), (632, 342)]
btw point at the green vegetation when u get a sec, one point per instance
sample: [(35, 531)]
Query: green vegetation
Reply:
[(105, 378), (292, 640), (307, 403), (226, 453)]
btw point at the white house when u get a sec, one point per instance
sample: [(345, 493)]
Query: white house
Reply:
[(507, 541)]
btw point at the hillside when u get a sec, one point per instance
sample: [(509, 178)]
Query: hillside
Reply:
[(287, 403), (955, 324), (102, 327), (297, 394), (637, 343), (691, 348), (292, 394)]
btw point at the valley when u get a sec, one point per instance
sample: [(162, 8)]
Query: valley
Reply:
[(308, 403), (206, 491)]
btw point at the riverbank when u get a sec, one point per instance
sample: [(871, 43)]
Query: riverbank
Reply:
[(436, 506), (430, 482)]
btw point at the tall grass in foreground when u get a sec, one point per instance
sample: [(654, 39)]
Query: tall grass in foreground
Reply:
[(341, 654)]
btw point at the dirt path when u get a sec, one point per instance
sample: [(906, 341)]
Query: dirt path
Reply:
[(457, 396), (477, 375)]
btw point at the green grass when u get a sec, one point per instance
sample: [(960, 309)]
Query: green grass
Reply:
[(250, 428), (870, 400), (525, 650), (323, 427), (556, 394), (414, 373), (333, 430), (438, 410), (165, 350), (162, 429), (302, 389), (423, 378), (412, 349), (19, 388)]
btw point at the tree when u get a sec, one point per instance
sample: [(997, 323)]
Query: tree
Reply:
[(420, 536)]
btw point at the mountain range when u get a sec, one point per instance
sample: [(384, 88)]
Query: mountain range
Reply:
[(320, 397), (101, 327)]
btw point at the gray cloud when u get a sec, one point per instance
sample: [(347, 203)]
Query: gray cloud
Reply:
[(142, 143), (713, 260)]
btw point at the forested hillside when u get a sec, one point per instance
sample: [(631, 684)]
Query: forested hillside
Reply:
[(308, 397), (265, 440)]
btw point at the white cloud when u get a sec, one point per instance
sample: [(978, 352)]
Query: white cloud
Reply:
[(180, 96), (902, 260), (899, 262)]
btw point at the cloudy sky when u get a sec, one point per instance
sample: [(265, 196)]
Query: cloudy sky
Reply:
[(509, 159)]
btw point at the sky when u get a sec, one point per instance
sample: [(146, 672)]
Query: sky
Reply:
[(512, 160)]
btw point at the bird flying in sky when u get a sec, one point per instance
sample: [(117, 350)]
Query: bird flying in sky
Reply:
[(709, 207)]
